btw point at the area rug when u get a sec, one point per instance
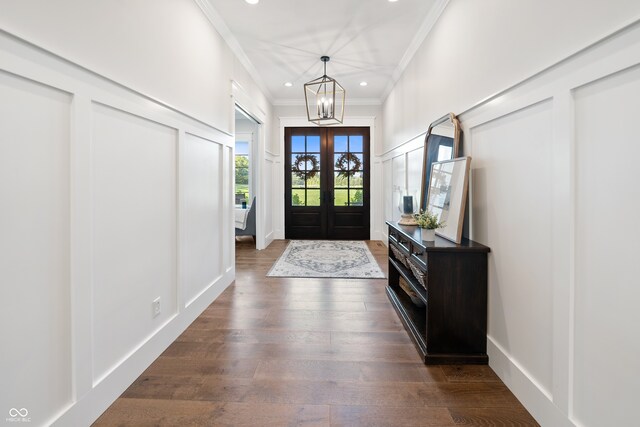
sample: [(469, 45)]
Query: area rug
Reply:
[(327, 258)]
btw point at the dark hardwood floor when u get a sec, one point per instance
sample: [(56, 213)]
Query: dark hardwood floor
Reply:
[(306, 352)]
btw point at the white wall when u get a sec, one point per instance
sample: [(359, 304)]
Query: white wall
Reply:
[(478, 48), (116, 167), (168, 51), (561, 311)]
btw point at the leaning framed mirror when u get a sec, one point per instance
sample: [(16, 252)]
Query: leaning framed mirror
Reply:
[(442, 142)]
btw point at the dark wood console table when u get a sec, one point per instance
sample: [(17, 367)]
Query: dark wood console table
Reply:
[(439, 290)]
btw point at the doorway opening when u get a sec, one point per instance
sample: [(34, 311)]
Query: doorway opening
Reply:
[(246, 168)]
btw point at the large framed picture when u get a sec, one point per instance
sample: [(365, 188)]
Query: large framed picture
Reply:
[(447, 196)]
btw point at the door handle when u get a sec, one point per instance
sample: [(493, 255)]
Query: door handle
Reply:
[(327, 196)]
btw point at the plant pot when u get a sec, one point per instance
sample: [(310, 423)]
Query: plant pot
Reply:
[(428, 235)]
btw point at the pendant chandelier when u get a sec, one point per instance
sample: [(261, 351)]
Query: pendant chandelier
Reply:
[(324, 98)]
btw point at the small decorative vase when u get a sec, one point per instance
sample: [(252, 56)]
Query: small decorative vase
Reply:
[(428, 235)]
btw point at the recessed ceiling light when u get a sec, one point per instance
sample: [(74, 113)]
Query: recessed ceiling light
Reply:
[(363, 83), (288, 84), (256, 1), (390, 1)]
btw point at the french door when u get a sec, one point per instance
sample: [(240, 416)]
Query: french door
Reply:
[(327, 183)]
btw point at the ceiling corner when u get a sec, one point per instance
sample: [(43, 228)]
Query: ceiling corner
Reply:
[(221, 27), (426, 27)]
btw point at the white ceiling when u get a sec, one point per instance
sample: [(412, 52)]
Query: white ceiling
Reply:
[(282, 41)]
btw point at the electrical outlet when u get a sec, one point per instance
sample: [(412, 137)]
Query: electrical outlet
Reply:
[(155, 306)]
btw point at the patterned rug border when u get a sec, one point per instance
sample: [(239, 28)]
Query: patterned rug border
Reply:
[(379, 274)]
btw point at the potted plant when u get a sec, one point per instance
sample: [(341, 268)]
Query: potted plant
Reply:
[(429, 222)]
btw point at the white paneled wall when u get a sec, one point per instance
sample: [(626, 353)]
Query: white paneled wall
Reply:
[(399, 176), (512, 197), (414, 168), (202, 196), (109, 201), (134, 232), (553, 193), (34, 246), (401, 171), (606, 354), (387, 171), (269, 176)]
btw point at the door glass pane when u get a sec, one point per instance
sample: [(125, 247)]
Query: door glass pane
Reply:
[(337, 159), (297, 197), (313, 144), (305, 170), (340, 144), (348, 167), (340, 181), (313, 197), (313, 181), (355, 162), (355, 143), (312, 161), (340, 197), (356, 180), (297, 181), (297, 144), (355, 197)]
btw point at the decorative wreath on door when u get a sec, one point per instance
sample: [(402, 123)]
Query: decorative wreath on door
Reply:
[(343, 164), (299, 165)]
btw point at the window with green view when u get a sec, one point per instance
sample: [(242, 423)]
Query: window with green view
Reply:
[(242, 172)]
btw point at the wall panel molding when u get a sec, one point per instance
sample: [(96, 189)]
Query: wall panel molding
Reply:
[(604, 114), (92, 390), (36, 247)]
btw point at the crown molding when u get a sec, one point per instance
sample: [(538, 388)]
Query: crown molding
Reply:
[(349, 101), (426, 27), (221, 27)]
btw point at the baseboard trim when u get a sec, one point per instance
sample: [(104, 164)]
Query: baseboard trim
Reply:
[(90, 406), (377, 235), (536, 400), (268, 239)]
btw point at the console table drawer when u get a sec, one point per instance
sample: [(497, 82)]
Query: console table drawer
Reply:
[(419, 257)]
